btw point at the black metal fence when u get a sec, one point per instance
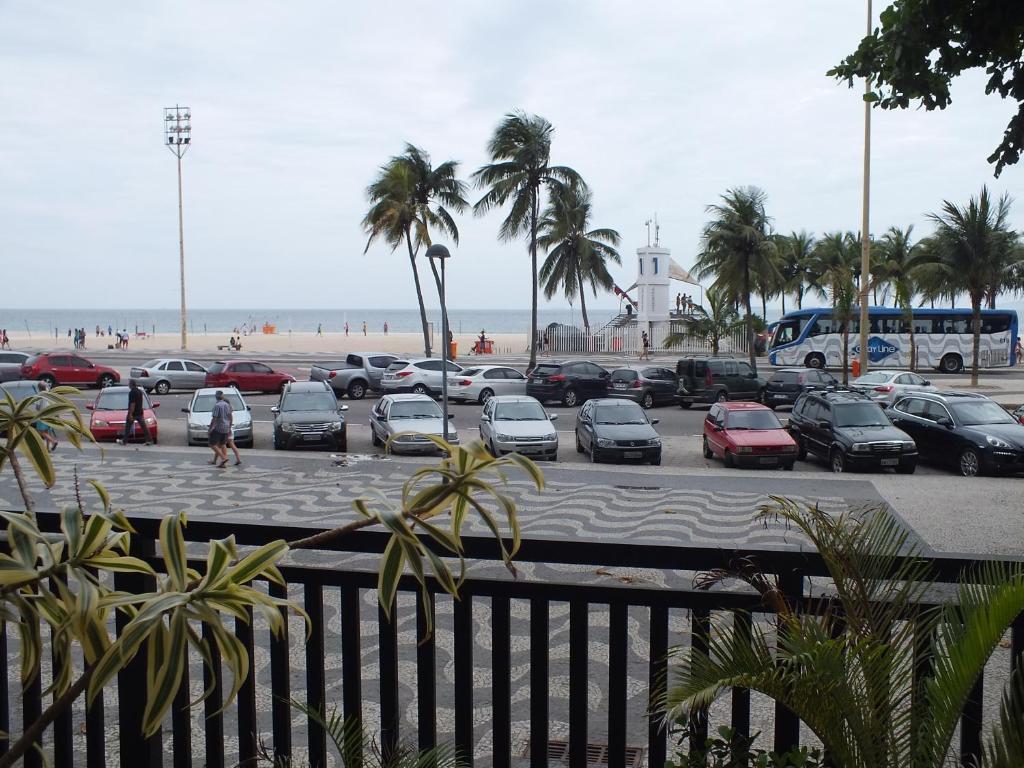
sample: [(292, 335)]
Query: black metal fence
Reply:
[(112, 727)]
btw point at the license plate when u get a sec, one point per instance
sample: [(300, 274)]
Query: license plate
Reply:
[(890, 462), (632, 454), (769, 460), (619, 386), (313, 436), (779, 397)]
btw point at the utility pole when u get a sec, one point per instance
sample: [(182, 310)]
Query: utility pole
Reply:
[(178, 137), (865, 234)]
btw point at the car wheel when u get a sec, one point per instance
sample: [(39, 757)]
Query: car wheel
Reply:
[(162, 387), (48, 380), (707, 450), (485, 395), (595, 458), (815, 360), (356, 390), (722, 396), (728, 459), (788, 466), (106, 380), (278, 445), (970, 463), (656, 462), (837, 461), (801, 449), (647, 401), (343, 444), (570, 398), (419, 389), (579, 445), (906, 469), (493, 449), (951, 363), (554, 457), (374, 439)]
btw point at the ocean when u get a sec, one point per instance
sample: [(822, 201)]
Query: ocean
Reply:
[(56, 322)]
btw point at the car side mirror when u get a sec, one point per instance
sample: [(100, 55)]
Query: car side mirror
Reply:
[(248, 408), (605, 374), (274, 409), (342, 407), (824, 423), (184, 410), (451, 417), (552, 417), (717, 428), (89, 406), (944, 421), (654, 421), (926, 383)]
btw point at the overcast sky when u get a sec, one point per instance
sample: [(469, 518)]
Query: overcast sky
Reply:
[(661, 106)]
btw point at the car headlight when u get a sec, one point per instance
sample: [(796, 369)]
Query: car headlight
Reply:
[(744, 449), (604, 442), (336, 426), (552, 436), (101, 423), (861, 447), (150, 421), (789, 449), (453, 437), (287, 427), (654, 441), (908, 445), (997, 442), (504, 438)]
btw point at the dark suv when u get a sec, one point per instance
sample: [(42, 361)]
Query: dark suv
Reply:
[(787, 384), (850, 431), (570, 382), (308, 414), (715, 380), (648, 386)]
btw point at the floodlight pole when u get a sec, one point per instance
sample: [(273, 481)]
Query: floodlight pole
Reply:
[(438, 251), (178, 138), (865, 237)]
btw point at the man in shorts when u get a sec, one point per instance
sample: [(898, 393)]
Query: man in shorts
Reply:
[(136, 414), (220, 429)]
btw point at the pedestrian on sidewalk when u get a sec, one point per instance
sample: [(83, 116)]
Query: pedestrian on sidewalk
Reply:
[(136, 414), (646, 341), (221, 420)]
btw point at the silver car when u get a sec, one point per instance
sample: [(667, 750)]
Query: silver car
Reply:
[(887, 386), (10, 364), (518, 424), (165, 374), (200, 411), (422, 377), (417, 414), (479, 383)]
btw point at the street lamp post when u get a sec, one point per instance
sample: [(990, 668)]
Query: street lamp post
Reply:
[(865, 237), (438, 251), (178, 138)]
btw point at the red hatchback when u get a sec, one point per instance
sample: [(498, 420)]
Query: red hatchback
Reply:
[(110, 410), (66, 368), (246, 376), (747, 435)]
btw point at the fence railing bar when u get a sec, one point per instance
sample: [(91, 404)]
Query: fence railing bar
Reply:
[(351, 656), (95, 735), (181, 723), (280, 682), (248, 738), (739, 715), (313, 602), (463, 661), (1017, 642), (426, 674), (213, 680), (32, 707), (389, 711), (787, 724), (501, 681), (700, 629), (579, 698), (618, 627), (5, 698), (657, 679), (63, 754), (970, 724), (539, 704)]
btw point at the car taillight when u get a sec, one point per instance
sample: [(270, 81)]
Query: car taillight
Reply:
[(637, 384), (144, 373), (332, 374), (557, 377), (403, 374), (464, 382), (884, 388)]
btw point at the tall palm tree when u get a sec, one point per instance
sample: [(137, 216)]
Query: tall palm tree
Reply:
[(835, 261), (576, 255), (519, 173), (898, 258), (713, 323), (794, 251), (735, 247), (975, 251)]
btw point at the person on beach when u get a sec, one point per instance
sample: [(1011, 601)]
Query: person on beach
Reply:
[(110, 331), (319, 329), (364, 327), (645, 339), (124, 339), (5, 342), (385, 327), (346, 328), (221, 420), (1019, 352), (136, 414), (545, 344)]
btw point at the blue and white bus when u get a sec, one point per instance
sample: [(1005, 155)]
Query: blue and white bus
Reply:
[(943, 339)]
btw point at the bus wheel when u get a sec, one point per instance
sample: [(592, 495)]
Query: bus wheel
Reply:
[(815, 360), (951, 363)]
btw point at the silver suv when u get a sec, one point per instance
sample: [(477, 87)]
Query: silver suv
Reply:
[(421, 377)]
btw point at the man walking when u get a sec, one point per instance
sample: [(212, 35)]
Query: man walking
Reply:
[(136, 414), (221, 420)]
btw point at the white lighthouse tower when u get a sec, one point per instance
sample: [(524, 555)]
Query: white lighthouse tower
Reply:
[(652, 279)]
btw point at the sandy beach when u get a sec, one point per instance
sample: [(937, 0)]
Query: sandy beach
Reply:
[(328, 344)]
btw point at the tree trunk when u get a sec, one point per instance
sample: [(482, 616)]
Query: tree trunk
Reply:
[(764, 307), (913, 348), (976, 344), (583, 302), (419, 295), (800, 298), (533, 271), (846, 353), (783, 302), (750, 316)]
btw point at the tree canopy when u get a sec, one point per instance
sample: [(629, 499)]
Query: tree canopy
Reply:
[(921, 45)]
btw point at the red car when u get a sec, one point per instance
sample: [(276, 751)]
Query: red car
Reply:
[(67, 368), (246, 376), (747, 435), (110, 410)]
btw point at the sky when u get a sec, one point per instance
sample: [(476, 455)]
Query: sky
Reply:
[(660, 106)]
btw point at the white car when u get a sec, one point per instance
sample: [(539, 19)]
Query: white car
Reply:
[(886, 386), (413, 414), (421, 377), (165, 374), (199, 412), (482, 382), (518, 424)]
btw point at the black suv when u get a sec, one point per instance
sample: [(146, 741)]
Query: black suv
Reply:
[(569, 382), (850, 431), (648, 386), (787, 384), (308, 414), (715, 380), (969, 432)]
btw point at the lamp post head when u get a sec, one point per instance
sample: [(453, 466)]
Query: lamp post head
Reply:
[(438, 251)]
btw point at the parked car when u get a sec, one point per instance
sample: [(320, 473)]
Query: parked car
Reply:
[(616, 430), (518, 424), (410, 413), (482, 382), (747, 435), (110, 411), (308, 414), (10, 365), (850, 431), (199, 413), (787, 384), (715, 380), (355, 374), (246, 376), (649, 386), (969, 432), (164, 374), (570, 382), (421, 377), (887, 386), (65, 368)]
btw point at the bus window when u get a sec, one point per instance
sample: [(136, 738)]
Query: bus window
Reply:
[(889, 324), (823, 324), (998, 323), (786, 332)]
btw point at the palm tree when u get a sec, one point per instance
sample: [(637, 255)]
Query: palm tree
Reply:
[(713, 324), (576, 255), (834, 262), (898, 258), (794, 252), (520, 151), (735, 247), (852, 671), (975, 253)]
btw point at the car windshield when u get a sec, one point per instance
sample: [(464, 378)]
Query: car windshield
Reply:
[(19, 390), (981, 412), (752, 419), (546, 370), (860, 415), (117, 401), (309, 401), (396, 366), (875, 377), (151, 363), (418, 410), (621, 414), (204, 403), (524, 411)]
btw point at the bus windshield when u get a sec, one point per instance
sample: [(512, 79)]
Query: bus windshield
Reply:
[(786, 332)]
